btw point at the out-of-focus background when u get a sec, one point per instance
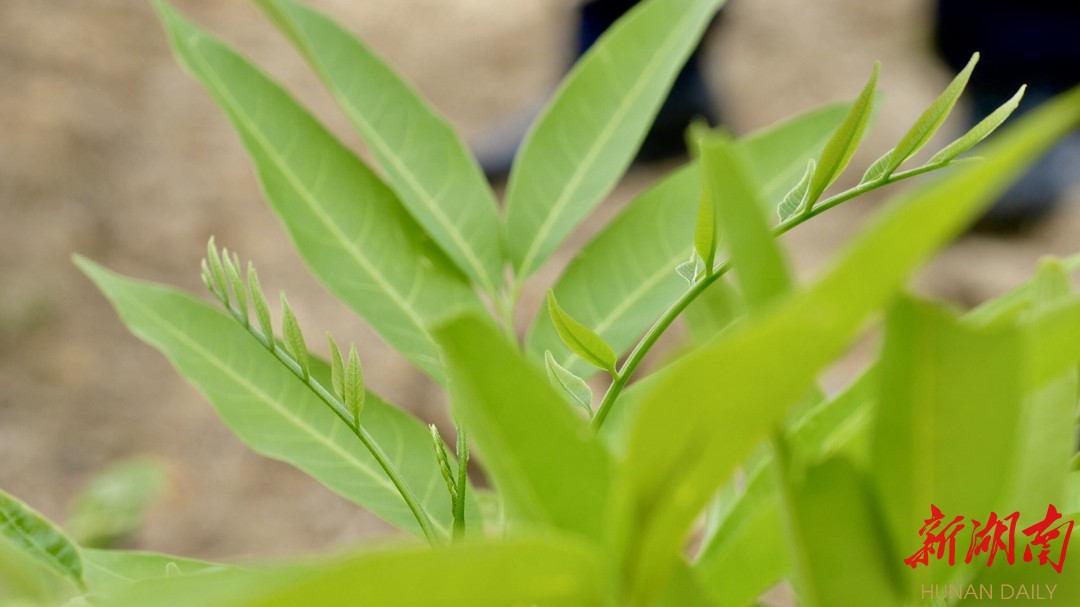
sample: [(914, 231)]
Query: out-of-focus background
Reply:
[(109, 150)]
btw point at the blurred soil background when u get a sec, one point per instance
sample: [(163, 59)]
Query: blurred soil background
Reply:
[(109, 150)]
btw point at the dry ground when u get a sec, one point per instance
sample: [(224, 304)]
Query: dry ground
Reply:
[(107, 149)]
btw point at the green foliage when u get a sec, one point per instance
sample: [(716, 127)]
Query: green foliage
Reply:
[(113, 504), (972, 412)]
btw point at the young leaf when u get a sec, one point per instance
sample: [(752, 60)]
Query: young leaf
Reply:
[(337, 368), (689, 270), (424, 160), (924, 128), (579, 338), (705, 236), (274, 412), (561, 481), (795, 203), (980, 131), (258, 301), (217, 271), (633, 256), (837, 154), (573, 386), (353, 389), (294, 339), (350, 229), (34, 535), (444, 462), (689, 455), (587, 136), (232, 271)]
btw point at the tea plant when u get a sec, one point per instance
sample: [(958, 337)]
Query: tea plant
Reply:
[(597, 500)]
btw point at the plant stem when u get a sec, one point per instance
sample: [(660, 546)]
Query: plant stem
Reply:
[(622, 377), (422, 516)]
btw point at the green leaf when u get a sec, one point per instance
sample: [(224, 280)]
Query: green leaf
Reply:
[(713, 311), (26, 581), (755, 254), (580, 339), (838, 152), (294, 338), (33, 534), (573, 386), (232, 271), (490, 574), (980, 131), (634, 255), (705, 235), (549, 468), (924, 128), (443, 460), (113, 504), (109, 572), (835, 501), (795, 202), (272, 410), (350, 228), (217, 271), (424, 160), (690, 454), (337, 368), (353, 391), (588, 134), (258, 301)]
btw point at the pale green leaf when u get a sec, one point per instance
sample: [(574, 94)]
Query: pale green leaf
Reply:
[(110, 571), (586, 137), (490, 574), (580, 339), (838, 152), (713, 311), (114, 503), (705, 235), (26, 581), (348, 226), (424, 160), (980, 131), (690, 454), (217, 271), (443, 459), (795, 202), (258, 302), (573, 386), (272, 410), (337, 368), (924, 128), (33, 534), (352, 387), (689, 270), (232, 271), (549, 468), (633, 257), (294, 338)]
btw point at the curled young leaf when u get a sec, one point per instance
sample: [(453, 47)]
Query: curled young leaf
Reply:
[(294, 339), (573, 386), (353, 389), (980, 131), (337, 367), (258, 301), (838, 152), (691, 269), (443, 460), (579, 338), (795, 202), (232, 272), (217, 271)]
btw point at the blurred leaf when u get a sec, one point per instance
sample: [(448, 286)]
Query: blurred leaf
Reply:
[(690, 454), (838, 152), (580, 339), (109, 572), (924, 128), (549, 468), (705, 234), (980, 131), (113, 504), (713, 311), (33, 534), (424, 160), (573, 386), (633, 257), (272, 410), (26, 581), (586, 137), (350, 228), (489, 574)]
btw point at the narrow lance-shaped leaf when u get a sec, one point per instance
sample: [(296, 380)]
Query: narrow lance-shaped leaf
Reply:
[(294, 338), (573, 386), (337, 368), (262, 310), (348, 226), (444, 461), (273, 411), (838, 152), (579, 338), (705, 235), (33, 534), (924, 128), (980, 131), (424, 160), (587, 136), (353, 386), (217, 272), (232, 270), (796, 202)]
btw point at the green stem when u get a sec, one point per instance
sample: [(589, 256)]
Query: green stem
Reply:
[(462, 483), (369, 441), (622, 377)]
